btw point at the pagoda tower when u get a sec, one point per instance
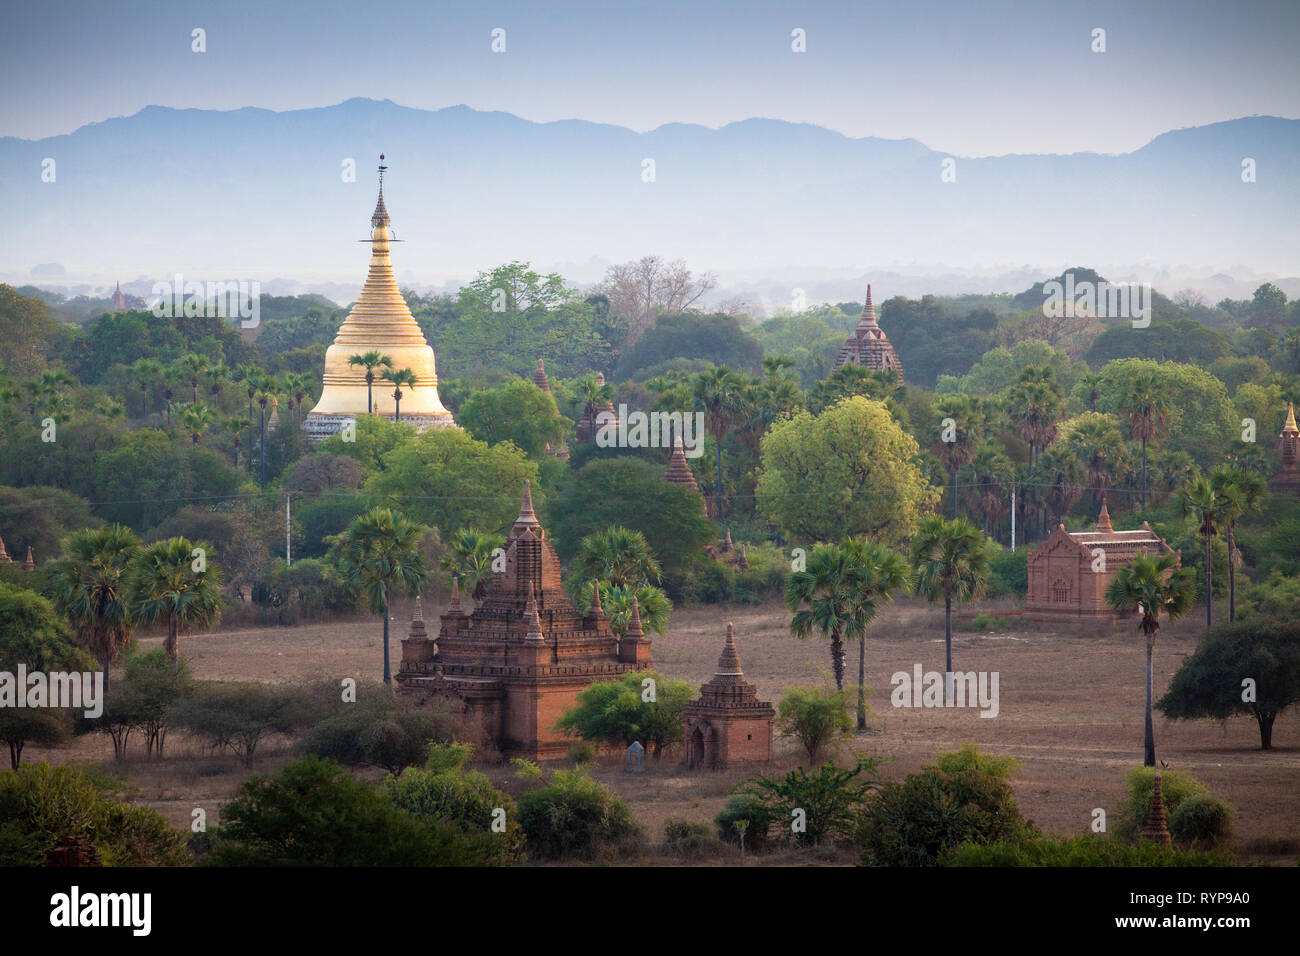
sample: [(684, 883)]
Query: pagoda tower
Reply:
[(517, 662), (1287, 477), (728, 723), (379, 321), (868, 345), (119, 299), (679, 472)]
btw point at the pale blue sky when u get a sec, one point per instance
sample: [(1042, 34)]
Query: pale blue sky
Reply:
[(970, 78)]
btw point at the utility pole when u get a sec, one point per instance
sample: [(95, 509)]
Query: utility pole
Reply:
[(287, 558), (1013, 517)]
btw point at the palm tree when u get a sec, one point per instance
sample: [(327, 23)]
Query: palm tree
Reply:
[(469, 558), (89, 585), (1200, 499), (147, 373), (949, 559), (1242, 493), (370, 361), (1092, 383), (991, 475), (196, 417), (618, 555), (1099, 445), (400, 377), (1148, 413), (824, 597), (880, 572), (265, 396), (250, 375), (653, 606), (217, 374), (169, 378), (969, 419), (1151, 585), (236, 427), (719, 393), (298, 386), (381, 551), (194, 367), (167, 581)]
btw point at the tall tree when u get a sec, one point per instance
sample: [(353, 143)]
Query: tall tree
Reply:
[(720, 394), (1144, 403), (880, 573), (380, 551), (1152, 585), (950, 559), (469, 557), (1242, 493), (174, 582), (961, 431), (399, 378), (196, 417), (1200, 500), (370, 361), (825, 598), (89, 584), (193, 367), (617, 555)]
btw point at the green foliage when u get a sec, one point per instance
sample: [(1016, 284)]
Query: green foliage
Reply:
[(40, 517), (33, 633), (380, 728), (715, 338), (829, 797), (576, 817), (1175, 787), (1209, 683), (46, 726), (238, 716), (40, 805), (465, 800), (1201, 821), (1090, 851), (469, 557), (172, 582), (1277, 596), (850, 470), (1009, 572), (912, 822), (518, 412), (816, 716), (970, 757), (987, 622), (932, 341), (375, 437), (747, 821), (653, 606), (618, 555), (632, 494), (616, 713), (449, 480), (693, 841), (313, 813)]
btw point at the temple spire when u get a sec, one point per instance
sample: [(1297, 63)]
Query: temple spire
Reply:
[(534, 634), (634, 630), (380, 216), (527, 517), (453, 606), (4, 555), (539, 376), (596, 609), (729, 659), (1290, 428), (1103, 519)]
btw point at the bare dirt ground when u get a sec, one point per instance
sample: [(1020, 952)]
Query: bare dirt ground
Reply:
[(1071, 711)]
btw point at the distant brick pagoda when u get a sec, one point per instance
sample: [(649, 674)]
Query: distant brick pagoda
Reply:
[(516, 663), (728, 723), (679, 472), (1063, 585), (868, 345), (1287, 477), (542, 382), (592, 421)]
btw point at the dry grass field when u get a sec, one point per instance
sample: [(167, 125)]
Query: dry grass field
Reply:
[(1070, 712)]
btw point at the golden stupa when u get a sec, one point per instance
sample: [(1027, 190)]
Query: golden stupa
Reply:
[(380, 321)]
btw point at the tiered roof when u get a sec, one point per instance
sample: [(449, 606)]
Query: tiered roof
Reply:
[(868, 345), (727, 691)]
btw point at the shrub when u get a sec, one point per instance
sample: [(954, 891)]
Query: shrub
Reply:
[(1009, 573), (1201, 821), (746, 821), (237, 716), (911, 823), (969, 757), (987, 622), (1075, 851), (694, 841), (314, 813), (817, 716), (381, 729), (829, 798), (40, 805), (1175, 787), (462, 799), (577, 817), (617, 713), (581, 751)]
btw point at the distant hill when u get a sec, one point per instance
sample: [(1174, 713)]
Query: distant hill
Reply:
[(258, 194)]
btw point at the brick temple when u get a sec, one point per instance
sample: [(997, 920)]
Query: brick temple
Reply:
[(519, 660), (868, 345), (728, 723), (1287, 477), (1063, 585)]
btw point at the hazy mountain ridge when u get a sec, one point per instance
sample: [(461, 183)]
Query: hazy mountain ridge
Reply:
[(258, 194)]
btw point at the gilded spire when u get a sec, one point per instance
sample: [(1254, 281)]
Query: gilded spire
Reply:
[(1290, 428), (380, 216)]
